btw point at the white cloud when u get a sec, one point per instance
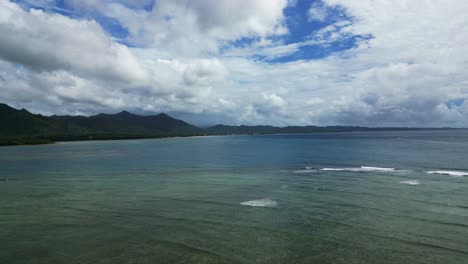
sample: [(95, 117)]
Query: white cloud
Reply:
[(49, 42), (318, 11), (204, 72), (404, 74), (75, 63), (191, 28)]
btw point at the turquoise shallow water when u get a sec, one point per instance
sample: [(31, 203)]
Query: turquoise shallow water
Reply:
[(180, 200)]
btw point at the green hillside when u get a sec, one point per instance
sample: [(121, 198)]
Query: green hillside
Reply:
[(23, 127)]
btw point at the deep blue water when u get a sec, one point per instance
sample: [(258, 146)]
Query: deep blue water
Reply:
[(238, 199)]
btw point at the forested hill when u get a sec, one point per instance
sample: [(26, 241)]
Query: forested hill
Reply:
[(22, 127), (252, 130)]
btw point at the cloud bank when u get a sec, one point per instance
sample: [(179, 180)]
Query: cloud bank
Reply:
[(350, 62)]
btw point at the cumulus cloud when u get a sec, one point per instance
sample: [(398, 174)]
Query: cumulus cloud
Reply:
[(318, 11), (184, 57), (76, 65), (270, 106), (204, 72), (188, 28), (46, 42)]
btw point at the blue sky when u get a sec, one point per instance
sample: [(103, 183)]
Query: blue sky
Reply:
[(298, 20), (279, 62)]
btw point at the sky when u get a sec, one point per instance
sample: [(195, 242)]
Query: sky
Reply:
[(253, 62)]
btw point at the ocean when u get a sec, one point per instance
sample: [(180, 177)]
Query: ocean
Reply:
[(368, 197)]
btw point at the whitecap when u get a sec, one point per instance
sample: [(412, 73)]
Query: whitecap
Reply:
[(267, 202), (366, 168), (305, 171), (450, 173), (411, 182), (360, 169), (336, 169)]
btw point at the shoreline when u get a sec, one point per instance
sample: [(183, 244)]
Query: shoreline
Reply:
[(46, 141)]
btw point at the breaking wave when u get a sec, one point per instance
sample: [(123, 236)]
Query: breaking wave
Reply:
[(260, 203), (305, 171), (450, 173), (359, 169), (411, 182)]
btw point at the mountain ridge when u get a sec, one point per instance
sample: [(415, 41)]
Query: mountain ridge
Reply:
[(19, 127), (22, 127)]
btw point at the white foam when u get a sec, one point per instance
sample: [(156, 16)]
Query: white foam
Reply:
[(336, 169), (450, 173), (411, 182), (267, 202), (362, 168), (377, 168), (305, 171)]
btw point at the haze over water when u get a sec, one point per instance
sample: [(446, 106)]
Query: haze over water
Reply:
[(376, 197)]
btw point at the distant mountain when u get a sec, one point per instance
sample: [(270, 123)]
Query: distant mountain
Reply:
[(23, 127), (252, 130), (125, 123), (15, 122)]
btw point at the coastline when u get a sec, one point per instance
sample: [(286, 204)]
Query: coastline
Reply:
[(41, 140)]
